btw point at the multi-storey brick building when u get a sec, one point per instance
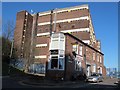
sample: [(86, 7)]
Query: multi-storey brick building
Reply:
[(60, 41)]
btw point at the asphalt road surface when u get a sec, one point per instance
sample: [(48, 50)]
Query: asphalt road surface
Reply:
[(107, 83), (8, 82)]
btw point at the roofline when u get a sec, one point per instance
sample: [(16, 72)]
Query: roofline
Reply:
[(83, 42), (65, 9)]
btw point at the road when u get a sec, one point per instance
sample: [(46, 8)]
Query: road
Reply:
[(8, 82), (107, 83)]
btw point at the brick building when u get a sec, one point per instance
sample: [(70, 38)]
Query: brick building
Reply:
[(61, 42)]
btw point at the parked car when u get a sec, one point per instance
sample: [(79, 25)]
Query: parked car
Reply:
[(95, 77), (118, 80)]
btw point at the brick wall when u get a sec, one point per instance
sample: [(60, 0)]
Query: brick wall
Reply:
[(19, 32), (64, 15)]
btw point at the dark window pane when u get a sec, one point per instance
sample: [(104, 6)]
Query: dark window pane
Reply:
[(54, 63), (61, 63)]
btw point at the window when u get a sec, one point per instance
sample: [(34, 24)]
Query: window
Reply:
[(69, 10), (64, 27), (24, 27), (100, 70), (93, 56), (98, 58), (59, 26), (46, 29), (94, 68), (80, 50), (23, 33), (25, 21), (39, 30), (73, 26), (75, 48), (61, 63), (21, 54), (78, 66), (37, 68), (56, 63), (53, 52)]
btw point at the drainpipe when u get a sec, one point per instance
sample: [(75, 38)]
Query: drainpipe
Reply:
[(55, 18), (51, 22), (85, 60)]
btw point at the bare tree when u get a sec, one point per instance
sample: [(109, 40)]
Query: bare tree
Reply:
[(7, 38), (8, 30), (7, 41)]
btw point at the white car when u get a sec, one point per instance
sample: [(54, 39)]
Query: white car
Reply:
[(95, 77)]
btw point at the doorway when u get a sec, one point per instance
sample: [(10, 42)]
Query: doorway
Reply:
[(88, 70)]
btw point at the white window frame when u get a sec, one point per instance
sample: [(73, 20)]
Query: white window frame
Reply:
[(76, 48), (41, 45), (100, 59), (40, 56), (101, 70), (93, 55), (97, 58), (94, 68), (49, 63), (80, 50), (62, 63), (79, 65), (43, 69)]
